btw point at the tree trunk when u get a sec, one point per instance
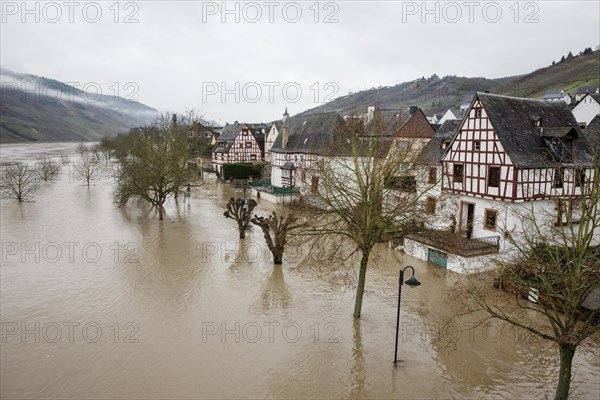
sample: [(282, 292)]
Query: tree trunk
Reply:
[(360, 290), (277, 257), (567, 351)]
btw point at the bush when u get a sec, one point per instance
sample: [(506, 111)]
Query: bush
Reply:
[(242, 171)]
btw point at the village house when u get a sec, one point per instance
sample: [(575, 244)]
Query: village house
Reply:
[(299, 150), (557, 95), (272, 135), (583, 90), (509, 156), (450, 114), (239, 143), (587, 108)]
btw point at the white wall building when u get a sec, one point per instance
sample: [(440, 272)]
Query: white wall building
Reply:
[(587, 108)]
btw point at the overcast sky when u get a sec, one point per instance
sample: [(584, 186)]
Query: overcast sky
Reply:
[(248, 61)]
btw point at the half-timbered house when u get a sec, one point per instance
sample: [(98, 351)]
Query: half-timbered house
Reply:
[(509, 156), (239, 143)]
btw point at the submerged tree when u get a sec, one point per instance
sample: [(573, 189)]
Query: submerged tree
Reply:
[(275, 229), (241, 211), (153, 164), (366, 188), (556, 263), (47, 169), (87, 169), (18, 181)]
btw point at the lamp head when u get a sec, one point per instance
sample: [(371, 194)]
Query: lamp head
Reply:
[(412, 282)]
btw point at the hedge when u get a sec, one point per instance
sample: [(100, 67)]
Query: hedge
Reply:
[(242, 171)]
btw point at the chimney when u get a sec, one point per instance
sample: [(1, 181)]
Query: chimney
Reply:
[(174, 121)]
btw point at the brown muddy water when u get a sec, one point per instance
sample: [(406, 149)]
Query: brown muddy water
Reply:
[(101, 302)]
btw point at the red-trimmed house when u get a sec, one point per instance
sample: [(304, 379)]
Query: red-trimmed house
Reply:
[(239, 143)]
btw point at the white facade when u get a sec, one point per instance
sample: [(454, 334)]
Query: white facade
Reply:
[(270, 140), (449, 115), (586, 109)]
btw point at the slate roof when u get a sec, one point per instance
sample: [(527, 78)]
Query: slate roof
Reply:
[(585, 89), (554, 94), (514, 121), (308, 134), (592, 133), (432, 152), (231, 131)]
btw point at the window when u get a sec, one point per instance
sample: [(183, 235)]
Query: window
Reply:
[(253, 157), (432, 175), (458, 173), (430, 205), (494, 177), (491, 217), (559, 175), (477, 145), (579, 177), (248, 145), (478, 113)]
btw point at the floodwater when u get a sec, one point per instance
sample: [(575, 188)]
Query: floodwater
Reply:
[(101, 302)]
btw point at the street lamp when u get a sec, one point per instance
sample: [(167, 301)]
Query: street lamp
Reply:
[(412, 282)]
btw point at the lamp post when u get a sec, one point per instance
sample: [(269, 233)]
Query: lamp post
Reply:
[(412, 282)]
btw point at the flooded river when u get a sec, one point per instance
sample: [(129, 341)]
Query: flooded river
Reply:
[(101, 302)]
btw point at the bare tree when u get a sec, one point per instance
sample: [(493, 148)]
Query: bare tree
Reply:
[(96, 150), (87, 169), (367, 189), (153, 166), (82, 148), (64, 158), (18, 181), (275, 229), (555, 264), (47, 169), (241, 211)]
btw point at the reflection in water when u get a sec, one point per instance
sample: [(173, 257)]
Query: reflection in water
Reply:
[(358, 371), (158, 284), (274, 293)]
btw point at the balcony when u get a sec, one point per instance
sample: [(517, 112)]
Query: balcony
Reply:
[(455, 243)]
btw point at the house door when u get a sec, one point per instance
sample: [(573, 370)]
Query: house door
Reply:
[(468, 214), (437, 258), (314, 187)]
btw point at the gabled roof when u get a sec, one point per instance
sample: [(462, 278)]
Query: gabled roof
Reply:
[(555, 94), (432, 152), (308, 134), (586, 89), (231, 131), (514, 121), (417, 126)]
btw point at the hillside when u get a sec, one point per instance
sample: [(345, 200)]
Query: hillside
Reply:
[(39, 109), (436, 94), (568, 75)]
